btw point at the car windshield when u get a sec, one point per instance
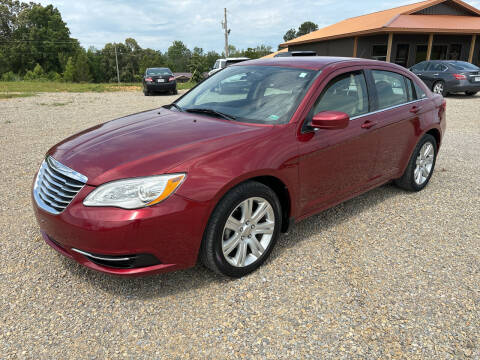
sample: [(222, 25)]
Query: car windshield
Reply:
[(256, 94), (164, 71), (463, 65)]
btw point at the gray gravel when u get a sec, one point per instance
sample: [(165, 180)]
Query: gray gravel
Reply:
[(389, 274)]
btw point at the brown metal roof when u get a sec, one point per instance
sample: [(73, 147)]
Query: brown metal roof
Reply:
[(395, 19)]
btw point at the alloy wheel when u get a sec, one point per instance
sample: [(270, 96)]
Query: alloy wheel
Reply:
[(248, 232), (424, 163), (438, 88)]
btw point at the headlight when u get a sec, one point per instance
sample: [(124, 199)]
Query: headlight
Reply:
[(135, 193)]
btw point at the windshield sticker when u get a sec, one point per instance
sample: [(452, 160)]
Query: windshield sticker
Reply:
[(273, 117), (302, 75)]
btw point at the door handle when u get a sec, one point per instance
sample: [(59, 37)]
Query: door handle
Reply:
[(435, 74), (368, 124), (415, 109)]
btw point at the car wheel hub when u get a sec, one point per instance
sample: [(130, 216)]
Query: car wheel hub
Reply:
[(424, 163), (248, 232)]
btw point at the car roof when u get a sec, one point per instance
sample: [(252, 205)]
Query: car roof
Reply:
[(311, 62), (159, 68)]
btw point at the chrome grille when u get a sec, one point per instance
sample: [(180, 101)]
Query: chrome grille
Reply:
[(56, 185)]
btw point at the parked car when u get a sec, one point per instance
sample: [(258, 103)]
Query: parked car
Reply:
[(449, 76), (296, 53), (223, 63), (159, 80), (218, 174)]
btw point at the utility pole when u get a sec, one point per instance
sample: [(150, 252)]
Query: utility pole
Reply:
[(116, 60), (227, 32)]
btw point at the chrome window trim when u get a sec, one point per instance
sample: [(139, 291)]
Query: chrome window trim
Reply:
[(385, 109)]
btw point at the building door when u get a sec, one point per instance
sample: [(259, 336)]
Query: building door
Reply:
[(401, 57), (439, 52), (421, 53)]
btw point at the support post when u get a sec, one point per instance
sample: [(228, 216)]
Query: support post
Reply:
[(227, 32), (429, 48), (116, 61), (472, 48), (389, 47), (355, 46)]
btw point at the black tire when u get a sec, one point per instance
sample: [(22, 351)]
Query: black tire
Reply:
[(438, 84), (211, 254), (146, 92), (407, 181), (174, 92), (471, 93)]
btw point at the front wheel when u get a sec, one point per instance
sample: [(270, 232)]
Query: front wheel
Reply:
[(242, 230), (420, 166)]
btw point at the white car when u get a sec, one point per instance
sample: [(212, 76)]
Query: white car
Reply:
[(223, 63)]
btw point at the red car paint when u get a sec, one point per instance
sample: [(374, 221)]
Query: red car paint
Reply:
[(318, 168)]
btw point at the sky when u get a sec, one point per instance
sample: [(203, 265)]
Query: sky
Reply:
[(157, 23)]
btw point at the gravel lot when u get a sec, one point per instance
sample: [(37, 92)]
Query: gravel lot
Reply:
[(389, 274)]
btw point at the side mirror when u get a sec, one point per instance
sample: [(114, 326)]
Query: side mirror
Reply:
[(330, 120)]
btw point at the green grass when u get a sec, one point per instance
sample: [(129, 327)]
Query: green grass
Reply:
[(12, 89), (15, 95)]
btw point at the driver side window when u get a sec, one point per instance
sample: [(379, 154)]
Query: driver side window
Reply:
[(346, 93)]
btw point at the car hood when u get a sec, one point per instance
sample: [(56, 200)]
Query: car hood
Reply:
[(148, 143)]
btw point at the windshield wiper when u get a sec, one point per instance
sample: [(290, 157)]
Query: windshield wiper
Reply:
[(211, 112), (169, 106)]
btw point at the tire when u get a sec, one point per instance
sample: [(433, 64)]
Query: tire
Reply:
[(471, 93), (410, 179), (146, 93), (215, 253), (174, 92), (439, 88)]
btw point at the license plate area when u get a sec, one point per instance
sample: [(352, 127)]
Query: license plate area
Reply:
[(477, 79), (163, 80)]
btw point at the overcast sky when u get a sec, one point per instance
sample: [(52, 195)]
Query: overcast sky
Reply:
[(156, 23)]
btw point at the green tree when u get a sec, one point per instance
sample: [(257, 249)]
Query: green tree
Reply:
[(178, 56), (81, 71), (69, 73), (290, 35), (306, 28)]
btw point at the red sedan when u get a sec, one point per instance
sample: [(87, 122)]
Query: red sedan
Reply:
[(218, 174)]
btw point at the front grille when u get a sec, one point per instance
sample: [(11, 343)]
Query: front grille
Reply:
[(56, 185)]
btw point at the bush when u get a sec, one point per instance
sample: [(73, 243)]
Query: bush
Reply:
[(10, 76), (54, 76), (29, 76)]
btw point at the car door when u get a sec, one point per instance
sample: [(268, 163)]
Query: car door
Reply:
[(435, 72), (421, 70), (397, 115), (334, 164)]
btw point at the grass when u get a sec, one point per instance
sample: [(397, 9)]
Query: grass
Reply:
[(14, 89)]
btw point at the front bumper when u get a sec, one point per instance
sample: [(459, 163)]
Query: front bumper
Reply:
[(169, 232)]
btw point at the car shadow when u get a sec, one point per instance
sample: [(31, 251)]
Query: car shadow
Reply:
[(166, 284), (462, 96)]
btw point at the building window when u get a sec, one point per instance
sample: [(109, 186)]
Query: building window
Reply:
[(401, 58), (379, 52), (421, 53), (439, 52), (454, 52)]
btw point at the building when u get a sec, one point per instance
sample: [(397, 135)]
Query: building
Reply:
[(406, 35)]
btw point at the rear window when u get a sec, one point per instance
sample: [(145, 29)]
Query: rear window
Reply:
[(154, 72), (462, 65)]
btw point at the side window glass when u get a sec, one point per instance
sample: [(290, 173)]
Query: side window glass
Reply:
[(346, 93), (419, 92), (391, 88)]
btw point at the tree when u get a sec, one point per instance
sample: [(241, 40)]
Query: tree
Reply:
[(69, 73), (178, 56), (306, 28), (81, 71), (290, 35)]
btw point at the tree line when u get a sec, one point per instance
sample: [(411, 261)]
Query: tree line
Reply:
[(36, 44)]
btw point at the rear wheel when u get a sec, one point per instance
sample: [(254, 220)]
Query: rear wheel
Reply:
[(146, 92), (439, 88), (242, 230), (471, 93), (421, 165)]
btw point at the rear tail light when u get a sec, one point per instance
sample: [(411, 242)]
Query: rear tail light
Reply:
[(459, 76), (149, 79), (171, 78)]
